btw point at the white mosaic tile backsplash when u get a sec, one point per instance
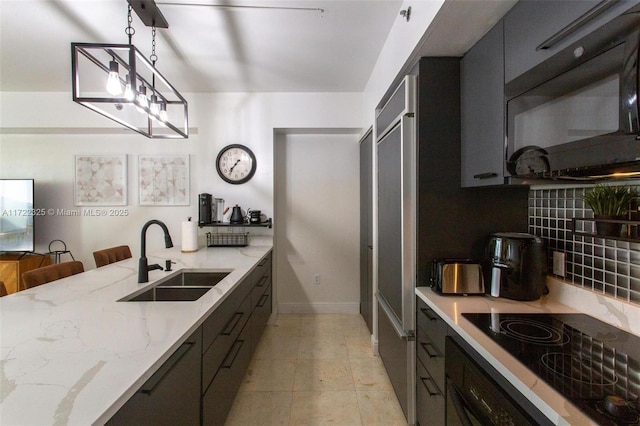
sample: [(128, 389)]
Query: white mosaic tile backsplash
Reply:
[(602, 265)]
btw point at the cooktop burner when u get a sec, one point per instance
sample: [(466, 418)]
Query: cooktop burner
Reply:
[(593, 364)]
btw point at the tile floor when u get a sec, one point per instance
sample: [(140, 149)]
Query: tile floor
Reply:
[(316, 369)]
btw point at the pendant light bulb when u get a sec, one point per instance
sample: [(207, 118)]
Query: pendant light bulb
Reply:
[(114, 88), (128, 90), (163, 113), (154, 107), (142, 101)]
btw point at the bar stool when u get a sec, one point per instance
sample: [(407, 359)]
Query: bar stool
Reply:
[(110, 255), (39, 276)]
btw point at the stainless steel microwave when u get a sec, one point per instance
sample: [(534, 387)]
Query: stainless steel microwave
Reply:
[(575, 116)]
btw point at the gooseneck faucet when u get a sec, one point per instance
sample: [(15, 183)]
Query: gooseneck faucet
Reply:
[(143, 265)]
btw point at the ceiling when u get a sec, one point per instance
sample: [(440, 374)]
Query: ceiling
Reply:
[(230, 49)]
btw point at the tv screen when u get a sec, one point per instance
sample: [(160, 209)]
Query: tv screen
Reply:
[(16, 215)]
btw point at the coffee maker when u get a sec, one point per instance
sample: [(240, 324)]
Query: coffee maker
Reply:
[(516, 266)]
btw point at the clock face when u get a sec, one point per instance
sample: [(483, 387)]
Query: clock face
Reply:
[(236, 164)]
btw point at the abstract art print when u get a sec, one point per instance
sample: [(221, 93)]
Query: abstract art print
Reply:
[(100, 180), (163, 180)]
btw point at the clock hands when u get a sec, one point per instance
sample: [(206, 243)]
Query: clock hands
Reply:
[(234, 165)]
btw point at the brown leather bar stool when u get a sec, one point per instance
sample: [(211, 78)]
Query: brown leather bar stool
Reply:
[(111, 255), (3, 289), (39, 276)]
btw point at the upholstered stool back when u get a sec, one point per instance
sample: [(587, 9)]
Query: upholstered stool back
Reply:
[(39, 276), (110, 255)]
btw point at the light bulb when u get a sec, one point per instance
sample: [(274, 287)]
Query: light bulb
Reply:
[(128, 90), (143, 103), (163, 112), (154, 107), (114, 88)]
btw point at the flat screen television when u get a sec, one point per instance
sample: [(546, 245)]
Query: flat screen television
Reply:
[(16, 215)]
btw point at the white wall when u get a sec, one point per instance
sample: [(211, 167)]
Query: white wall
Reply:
[(41, 132), (317, 194)]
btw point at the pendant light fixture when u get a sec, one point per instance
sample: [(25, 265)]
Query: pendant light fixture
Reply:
[(118, 82)]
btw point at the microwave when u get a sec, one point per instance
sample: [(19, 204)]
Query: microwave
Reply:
[(575, 116)]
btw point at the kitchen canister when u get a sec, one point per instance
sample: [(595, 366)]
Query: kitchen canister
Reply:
[(189, 236)]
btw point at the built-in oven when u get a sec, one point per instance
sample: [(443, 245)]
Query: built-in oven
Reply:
[(476, 394), (576, 114)]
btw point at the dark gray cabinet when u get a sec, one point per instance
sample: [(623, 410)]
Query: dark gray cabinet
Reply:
[(536, 30), (430, 375), (482, 111), (366, 229), (172, 395), (199, 382)]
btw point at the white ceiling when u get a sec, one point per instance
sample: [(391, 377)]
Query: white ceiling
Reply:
[(212, 49)]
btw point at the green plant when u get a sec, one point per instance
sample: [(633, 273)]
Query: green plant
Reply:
[(610, 200)]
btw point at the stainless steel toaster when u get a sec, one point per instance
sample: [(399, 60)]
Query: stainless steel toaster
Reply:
[(457, 276)]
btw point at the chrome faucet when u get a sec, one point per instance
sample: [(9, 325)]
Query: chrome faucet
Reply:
[(143, 265)]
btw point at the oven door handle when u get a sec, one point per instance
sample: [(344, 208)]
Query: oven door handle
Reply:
[(458, 404)]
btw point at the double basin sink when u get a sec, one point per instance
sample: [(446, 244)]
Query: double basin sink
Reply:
[(185, 285)]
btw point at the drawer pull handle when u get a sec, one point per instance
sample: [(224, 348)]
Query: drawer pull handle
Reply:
[(426, 381), (233, 354), (262, 281), (487, 175), (164, 371), (235, 319), (263, 261), (262, 301), (427, 313), (431, 353)]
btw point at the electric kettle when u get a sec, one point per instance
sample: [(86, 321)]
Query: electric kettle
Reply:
[(236, 215)]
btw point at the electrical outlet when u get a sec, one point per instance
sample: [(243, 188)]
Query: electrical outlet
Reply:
[(316, 279), (558, 263)]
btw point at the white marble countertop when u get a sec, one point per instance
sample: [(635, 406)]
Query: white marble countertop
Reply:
[(548, 401), (72, 354)]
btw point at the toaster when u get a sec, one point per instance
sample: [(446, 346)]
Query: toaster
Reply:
[(457, 276)]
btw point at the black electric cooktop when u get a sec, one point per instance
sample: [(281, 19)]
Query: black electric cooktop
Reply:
[(593, 364)]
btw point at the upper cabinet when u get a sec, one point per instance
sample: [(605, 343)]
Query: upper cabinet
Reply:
[(482, 111), (535, 30)]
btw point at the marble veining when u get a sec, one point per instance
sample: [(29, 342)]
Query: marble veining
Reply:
[(562, 298), (70, 353)]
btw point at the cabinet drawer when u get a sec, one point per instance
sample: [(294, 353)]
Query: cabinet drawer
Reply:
[(259, 318), (213, 358), (259, 289), (430, 403), (432, 325), (218, 400), (431, 357)]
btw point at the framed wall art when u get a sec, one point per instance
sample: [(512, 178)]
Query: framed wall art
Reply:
[(163, 180), (100, 180)]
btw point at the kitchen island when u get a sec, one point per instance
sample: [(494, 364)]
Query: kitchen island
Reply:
[(72, 353), (563, 298)]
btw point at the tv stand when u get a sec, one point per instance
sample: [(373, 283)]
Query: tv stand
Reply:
[(13, 265)]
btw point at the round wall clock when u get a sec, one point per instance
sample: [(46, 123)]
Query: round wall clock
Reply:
[(236, 164)]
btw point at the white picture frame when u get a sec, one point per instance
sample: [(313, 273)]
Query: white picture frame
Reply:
[(100, 180), (163, 180)]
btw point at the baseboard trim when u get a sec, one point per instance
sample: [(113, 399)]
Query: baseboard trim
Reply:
[(319, 308)]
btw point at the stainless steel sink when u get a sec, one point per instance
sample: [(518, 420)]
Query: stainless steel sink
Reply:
[(184, 286), (191, 278)]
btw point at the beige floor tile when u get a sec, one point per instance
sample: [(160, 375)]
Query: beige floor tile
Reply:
[(260, 408), (269, 375), (275, 346), (322, 325), (359, 347), (380, 408), (323, 374), (369, 374), (325, 408), (285, 325), (322, 346), (353, 325)]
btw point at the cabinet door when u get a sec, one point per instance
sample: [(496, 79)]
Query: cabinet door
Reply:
[(482, 111), (556, 24), (172, 395)]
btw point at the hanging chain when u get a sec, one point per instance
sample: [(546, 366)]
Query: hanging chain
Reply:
[(129, 30), (153, 56)]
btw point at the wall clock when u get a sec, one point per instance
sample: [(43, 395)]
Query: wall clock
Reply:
[(236, 164)]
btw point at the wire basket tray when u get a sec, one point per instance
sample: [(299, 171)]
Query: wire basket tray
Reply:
[(227, 240)]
